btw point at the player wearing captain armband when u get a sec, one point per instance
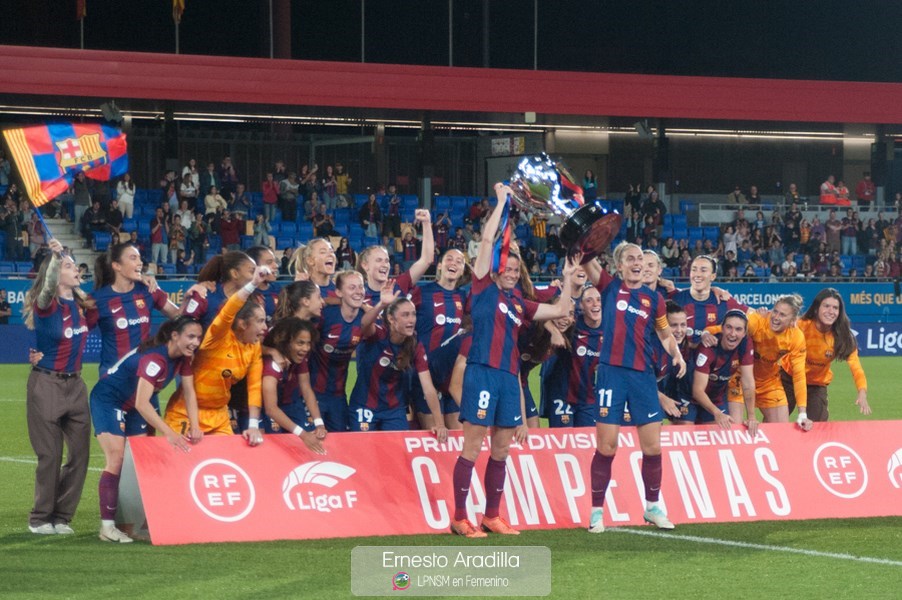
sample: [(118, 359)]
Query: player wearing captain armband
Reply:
[(632, 314)]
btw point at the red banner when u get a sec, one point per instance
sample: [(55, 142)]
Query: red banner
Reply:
[(400, 483)]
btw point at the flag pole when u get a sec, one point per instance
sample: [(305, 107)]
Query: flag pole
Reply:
[(177, 37), (81, 28)]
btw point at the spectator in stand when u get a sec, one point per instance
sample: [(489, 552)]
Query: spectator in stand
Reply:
[(370, 217), (191, 169), (158, 238), (410, 248), (261, 231), (865, 192), (776, 256), (239, 200), (477, 212), (736, 196), (804, 235), (342, 185), (807, 268), (308, 180), (36, 235), (828, 191), (654, 208), (93, 220), (323, 223), (634, 226), (177, 237), (125, 193), (849, 233), (794, 214), (842, 194), (754, 197), (311, 205), (458, 242), (228, 177), (818, 232), (184, 261), (187, 190), (345, 255), (632, 201), (554, 242), (330, 193), (730, 241), (270, 197), (9, 224), (473, 247), (289, 189), (214, 204), (392, 224), (833, 227), (279, 172), (539, 224), (113, 217), (198, 236), (230, 230), (793, 196), (590, 186), (792, 237), (209, 179), (869, 238), (185, 214), (81, 199), (442, 230), (728, 262)]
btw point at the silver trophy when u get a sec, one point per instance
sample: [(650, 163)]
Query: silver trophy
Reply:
[(543, 186)]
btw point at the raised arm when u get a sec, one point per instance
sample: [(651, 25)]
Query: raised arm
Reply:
[(483, 263), (427, 251)]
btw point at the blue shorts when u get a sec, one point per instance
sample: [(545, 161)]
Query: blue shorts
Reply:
[(696, 414), (619, 389), (361, 418), (446, 402), (334, 412), (490, 397), (108, 416), (564, 414), (530, 403)]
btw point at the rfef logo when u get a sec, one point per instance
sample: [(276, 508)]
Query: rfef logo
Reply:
[(302, 489), (222, 490), (840, 470)]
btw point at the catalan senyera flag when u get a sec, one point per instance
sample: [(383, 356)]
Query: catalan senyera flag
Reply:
[(178, 8), (502, 246), (49, 156)]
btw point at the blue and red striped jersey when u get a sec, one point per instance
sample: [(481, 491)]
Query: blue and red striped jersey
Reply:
[(381, 385), (703, 313), (124, 319), (403, 284), (289, 390), (329, 360), (120, 382), (62, 331), (629, 319), (720, 365), (676, 388), (328, 290), (439, 313), (442, 359), (269, 299), (498, 317), (205, 309)]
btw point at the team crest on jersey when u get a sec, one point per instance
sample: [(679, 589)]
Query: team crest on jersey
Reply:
[(122, 426), (735, 363), (602, 412), (565, 419), (480, 414), (355, 339), (645, 302), (712, 317), (829, 353), (226, 373), (782, 353), (526, 357), (684, 410), (627, 417), (364, 427), (458, 305), (139, 303), (518, 308)]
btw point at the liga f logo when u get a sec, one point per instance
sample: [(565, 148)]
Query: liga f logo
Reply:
[(321, 473)]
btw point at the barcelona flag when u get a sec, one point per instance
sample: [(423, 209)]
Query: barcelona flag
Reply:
[(501, 248), (49, 156)]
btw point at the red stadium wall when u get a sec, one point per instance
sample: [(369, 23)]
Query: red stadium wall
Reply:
[(105, 74)]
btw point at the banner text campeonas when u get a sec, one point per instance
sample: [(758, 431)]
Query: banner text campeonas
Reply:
[(400, 483)]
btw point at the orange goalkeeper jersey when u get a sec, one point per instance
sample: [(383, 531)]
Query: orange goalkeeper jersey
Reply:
[(772, 350), (222, 361), (820, 355)]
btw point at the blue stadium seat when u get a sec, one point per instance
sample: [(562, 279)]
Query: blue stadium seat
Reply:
[(167, 269), (129, 225), (680, 232), (666, 231), (288, 228), (305, 232), (679, 220), (143, 228), (858, 262), (696, 233), (101, 241), (460, 202), (371, 241), (668, 220), (360, 200), (712, 233), (247, 241), (442, 203), (7, 266), (284, 241), (410, 201), (215, 244), (24, 266), (846, 261)]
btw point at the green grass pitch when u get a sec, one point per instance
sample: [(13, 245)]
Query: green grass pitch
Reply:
[(794, 559)]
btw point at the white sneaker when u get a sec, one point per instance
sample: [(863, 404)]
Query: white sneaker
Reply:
[(63, 529), (656, 517), (43, 529), (109, 533), (596, 521)]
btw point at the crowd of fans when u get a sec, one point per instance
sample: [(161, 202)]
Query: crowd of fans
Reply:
[(204, 211)]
